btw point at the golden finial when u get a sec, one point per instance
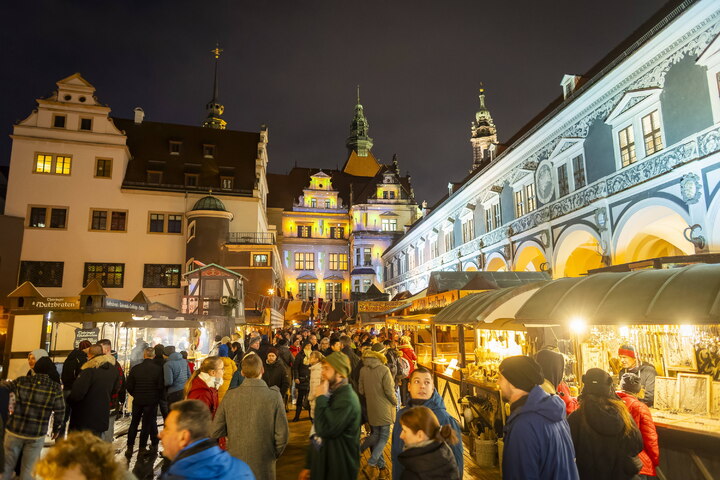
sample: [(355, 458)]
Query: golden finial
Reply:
[(482, 88), (216, 51)]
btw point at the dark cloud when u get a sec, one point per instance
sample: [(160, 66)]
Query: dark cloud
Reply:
[(293, 65)]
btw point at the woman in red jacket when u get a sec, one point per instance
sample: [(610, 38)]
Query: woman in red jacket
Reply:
[(650, 456), (204, 383)]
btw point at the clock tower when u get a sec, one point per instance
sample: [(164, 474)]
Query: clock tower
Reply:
[(483, 135)]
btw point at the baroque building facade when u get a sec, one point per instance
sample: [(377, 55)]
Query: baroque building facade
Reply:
[(335, 224), (624, 166)]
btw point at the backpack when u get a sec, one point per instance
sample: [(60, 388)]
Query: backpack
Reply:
[(404, 367)]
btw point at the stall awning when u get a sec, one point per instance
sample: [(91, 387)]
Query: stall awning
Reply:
[(687, 295), (392, 310), (487, 308), (446, 281)]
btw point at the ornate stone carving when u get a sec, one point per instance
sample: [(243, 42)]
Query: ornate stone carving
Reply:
[(544, 184), (690, 188)]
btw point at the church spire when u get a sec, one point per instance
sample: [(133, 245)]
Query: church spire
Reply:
[(214, 108), (359, 141), (483, 135)]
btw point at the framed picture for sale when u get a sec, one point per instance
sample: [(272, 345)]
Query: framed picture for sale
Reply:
[(680, 353), (665, 393), (715, 400), (694, 393)]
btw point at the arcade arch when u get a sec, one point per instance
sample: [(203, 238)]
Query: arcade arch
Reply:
[(650, 231), (577, 251)]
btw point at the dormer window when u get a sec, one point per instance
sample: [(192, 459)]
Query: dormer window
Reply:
[(59, 121), (208, 151), (227, 183), (175, 147), (637, 113), (568, 83), (191, 179)]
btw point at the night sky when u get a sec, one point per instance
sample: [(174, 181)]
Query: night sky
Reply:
[(294, 65)]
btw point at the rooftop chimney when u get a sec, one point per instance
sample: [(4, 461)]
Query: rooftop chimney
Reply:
[(139, 115)]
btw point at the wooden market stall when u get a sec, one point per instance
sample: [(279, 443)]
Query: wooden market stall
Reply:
[(672, 317)]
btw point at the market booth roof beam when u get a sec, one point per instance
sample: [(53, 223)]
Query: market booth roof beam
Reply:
[(686, 295)]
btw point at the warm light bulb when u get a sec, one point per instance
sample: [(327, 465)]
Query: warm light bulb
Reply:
[(686, 330), (578, 325), (624, 332)]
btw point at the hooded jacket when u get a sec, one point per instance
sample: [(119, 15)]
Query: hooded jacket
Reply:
[(176, 371), (537, 440), (204, 460), (92, 393), (431, 461), (602, 448), (434, 403), (650, 456), (71, 367), (376, 384)]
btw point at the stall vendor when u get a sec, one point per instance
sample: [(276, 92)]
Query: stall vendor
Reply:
[(646, 372)]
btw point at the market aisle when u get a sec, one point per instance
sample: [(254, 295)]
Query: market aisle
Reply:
[(293, 460)]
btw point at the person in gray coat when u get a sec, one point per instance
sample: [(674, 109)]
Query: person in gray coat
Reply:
[(252, 417), (377, 386)]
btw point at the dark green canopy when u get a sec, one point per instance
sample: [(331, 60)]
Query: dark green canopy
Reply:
[(687, 295)]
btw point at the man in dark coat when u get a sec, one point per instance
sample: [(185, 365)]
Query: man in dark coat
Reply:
[(92, 392), (334, 450), (275, 373), (537, 435), (145, 383), (70, 371), (646, 372)]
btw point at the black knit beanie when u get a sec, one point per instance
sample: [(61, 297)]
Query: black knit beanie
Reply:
[(522, 372), (597, 381)]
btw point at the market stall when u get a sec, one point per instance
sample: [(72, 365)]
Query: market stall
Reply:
[(672, 319)]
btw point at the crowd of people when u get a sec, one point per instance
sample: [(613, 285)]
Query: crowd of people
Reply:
[(228, 417)]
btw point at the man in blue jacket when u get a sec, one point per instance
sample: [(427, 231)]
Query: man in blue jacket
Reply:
[(422, 393), (176, 372), (537, 438), (194, 455)]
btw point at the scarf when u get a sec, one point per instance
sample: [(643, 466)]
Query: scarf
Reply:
[(212, 382)]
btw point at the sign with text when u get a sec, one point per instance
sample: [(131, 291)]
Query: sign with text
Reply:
[(115, 303), (377, 307), (56, 303), (90, 334), (440, 300)]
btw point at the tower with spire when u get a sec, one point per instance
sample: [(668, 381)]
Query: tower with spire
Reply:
[(483, 135), (359, 141), (214, 108)]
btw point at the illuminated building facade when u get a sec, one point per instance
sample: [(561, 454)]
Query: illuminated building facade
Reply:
[(622, 167), (335, 224)]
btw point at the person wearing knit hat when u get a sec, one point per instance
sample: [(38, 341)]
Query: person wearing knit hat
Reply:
[(606, 438), (537, 437), (647, 373), (334, 450), (650, 455)]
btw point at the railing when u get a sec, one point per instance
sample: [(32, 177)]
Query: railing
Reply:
[(251, 238)]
